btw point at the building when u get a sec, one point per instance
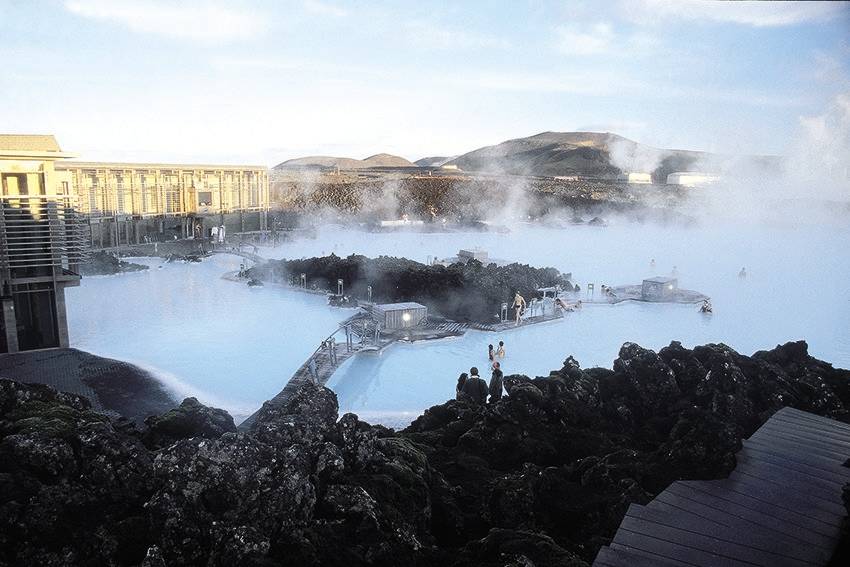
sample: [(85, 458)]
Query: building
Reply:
[(399, 315), (473, 254), (128, 203), (638, 177), (659, 289), (42, 240), (692, 178)]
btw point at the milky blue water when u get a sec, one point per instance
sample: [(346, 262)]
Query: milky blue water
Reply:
[(234, 346)]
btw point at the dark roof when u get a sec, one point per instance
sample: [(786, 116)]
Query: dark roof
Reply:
[(398, 306), (661, 280)]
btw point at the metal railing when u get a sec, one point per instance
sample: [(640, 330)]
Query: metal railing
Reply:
[(39, 231)]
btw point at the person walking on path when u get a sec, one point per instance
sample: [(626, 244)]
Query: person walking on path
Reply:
[(475, 388), (495, 388)]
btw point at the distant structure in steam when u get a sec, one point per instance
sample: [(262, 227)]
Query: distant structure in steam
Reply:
[(659, 289), (692, 178), (635, 177)]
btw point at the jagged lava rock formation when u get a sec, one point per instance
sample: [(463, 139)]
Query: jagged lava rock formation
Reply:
[(541, 478)]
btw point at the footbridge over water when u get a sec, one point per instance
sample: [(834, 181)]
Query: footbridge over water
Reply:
[(360, 335), (254, 257), (782, 505)]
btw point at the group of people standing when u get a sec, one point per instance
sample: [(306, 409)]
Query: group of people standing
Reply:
[(473, 389)]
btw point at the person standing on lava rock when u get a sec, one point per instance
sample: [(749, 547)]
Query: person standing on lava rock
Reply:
[(461, 381), (475, 388), (495, 388)]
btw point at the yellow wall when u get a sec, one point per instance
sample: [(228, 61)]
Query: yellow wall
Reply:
[(148, 189)]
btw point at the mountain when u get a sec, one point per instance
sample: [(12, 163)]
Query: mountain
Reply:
[(434, 161), (377, 160), (576, 153)]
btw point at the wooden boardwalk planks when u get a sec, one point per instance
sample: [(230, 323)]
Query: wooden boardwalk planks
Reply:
[(781, 506)]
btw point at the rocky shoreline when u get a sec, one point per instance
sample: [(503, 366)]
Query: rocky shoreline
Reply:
[(103, 263), (114, 387), (468, 291), (541, 478)]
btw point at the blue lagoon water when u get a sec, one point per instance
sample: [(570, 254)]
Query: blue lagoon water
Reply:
[(235, 346)]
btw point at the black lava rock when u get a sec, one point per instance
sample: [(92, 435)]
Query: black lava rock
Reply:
[(541, 478)]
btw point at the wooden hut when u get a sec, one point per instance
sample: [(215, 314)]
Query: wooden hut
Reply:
[(399, 315)]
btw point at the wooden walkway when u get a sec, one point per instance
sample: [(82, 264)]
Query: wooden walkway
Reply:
[(256, 258), (780, 506)]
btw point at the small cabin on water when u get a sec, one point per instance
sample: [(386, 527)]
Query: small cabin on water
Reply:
[(399, 315), (659, 289)]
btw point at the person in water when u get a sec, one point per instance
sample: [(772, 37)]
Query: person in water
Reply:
[(519, 306), (652, 263), (501, 351), (475, 389), (743, 273), (459, 395), (491, 354), (706, 306), (559, 307), (495, 387)]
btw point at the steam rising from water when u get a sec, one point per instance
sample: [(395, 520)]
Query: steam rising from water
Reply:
[(628, 156), (810, 185), (823, 153)]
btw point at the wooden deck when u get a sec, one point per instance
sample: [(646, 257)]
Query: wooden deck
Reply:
[(510, 324), (780, 506)]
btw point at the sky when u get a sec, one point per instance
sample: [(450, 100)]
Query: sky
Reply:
[(263, 81)]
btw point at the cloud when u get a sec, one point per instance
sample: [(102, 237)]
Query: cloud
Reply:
[(601, 39), (258, 63), (436, 36), (757, 14), (324, 9), (195, 21), (601, 82), (594, 40), (622, 127)]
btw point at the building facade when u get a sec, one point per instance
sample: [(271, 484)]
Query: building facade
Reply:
[(148, 189), (42, 240), (130, 203)]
